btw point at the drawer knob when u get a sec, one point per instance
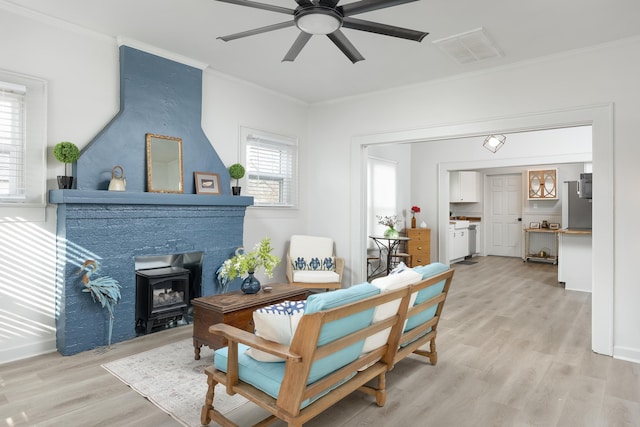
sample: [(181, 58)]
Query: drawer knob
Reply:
[(419, 248)]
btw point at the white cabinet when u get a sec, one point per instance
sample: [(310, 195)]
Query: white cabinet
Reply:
[(575, 260), (464, 187), (458, 243)]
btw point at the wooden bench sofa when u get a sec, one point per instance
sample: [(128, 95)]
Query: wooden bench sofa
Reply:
[(345, 341)]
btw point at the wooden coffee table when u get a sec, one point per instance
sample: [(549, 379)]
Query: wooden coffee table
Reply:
[(235, 309)]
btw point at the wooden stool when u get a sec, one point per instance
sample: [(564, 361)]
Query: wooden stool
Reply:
[(401, 257)]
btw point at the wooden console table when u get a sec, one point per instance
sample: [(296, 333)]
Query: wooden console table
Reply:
[(529, 255), (236, 309)]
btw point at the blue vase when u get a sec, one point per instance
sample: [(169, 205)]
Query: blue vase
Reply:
[(250, 285)]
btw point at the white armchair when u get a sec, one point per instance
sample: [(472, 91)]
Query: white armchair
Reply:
[(311, 263)]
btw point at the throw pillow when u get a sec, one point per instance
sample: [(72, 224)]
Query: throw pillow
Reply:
[(384, 311), (399, 268), (277, 322), (314, 263)]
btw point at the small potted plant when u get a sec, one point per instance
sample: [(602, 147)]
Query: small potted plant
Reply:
[(248, 264), (236, 171), (67, 153)]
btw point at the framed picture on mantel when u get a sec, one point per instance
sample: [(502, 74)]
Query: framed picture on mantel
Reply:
[(207, 183)]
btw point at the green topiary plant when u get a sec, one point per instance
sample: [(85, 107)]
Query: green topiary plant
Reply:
[(66, 152), (236, 171)]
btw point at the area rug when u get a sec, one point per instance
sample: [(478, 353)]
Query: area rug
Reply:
[(171, 379)]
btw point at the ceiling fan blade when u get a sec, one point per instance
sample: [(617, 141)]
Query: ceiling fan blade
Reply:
[(369, 5), (329, 3), (339, 39), (300, 42), (304, 3), (384, 29), (258, 31), (257, 5)]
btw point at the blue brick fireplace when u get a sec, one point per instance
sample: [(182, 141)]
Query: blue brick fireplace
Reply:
[(157, 96)]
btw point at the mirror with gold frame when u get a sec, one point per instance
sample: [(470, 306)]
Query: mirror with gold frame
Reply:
[(164, 164), (543, 184)]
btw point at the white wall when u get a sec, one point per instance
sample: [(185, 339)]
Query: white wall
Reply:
[(82, 72), (229, 104), (530, 92)]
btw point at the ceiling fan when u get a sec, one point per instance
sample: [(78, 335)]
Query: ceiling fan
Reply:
[(325, 17)]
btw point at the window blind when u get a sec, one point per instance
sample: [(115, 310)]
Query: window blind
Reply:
[(12, 141), (271, 170), (381, 193)]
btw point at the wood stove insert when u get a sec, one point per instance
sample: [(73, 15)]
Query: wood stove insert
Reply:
[(162, 297)]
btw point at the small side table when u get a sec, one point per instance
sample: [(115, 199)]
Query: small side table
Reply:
[(387, 247), (235, 309), (529, 255)]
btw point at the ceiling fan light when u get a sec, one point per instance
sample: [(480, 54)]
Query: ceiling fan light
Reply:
[(494, 142), (318, 21)]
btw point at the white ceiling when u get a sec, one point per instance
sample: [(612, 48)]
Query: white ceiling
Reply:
[(523, 30)]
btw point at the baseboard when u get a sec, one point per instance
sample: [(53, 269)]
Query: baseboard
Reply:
[(25, 351), (626, 353)]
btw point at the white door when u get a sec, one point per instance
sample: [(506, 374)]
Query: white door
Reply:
[(504, 215)]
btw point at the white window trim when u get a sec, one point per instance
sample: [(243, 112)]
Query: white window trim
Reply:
[(245, 133), (35, 147)]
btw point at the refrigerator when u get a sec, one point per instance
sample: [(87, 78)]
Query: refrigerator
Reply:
[(576, 211)]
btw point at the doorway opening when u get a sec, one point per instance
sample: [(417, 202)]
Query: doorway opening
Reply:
[(599, 117)]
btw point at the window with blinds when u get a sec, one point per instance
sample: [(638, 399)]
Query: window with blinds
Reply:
[(271, 163), (12, 141), (23, 143)]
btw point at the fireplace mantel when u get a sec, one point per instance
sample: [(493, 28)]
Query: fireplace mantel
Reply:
[(103, 197)]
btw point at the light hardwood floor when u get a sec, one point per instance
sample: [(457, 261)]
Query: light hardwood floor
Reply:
[(514, 350)]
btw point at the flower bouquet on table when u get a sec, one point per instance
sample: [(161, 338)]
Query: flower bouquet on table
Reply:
[(247, 263), (390, 222), (414, 211)]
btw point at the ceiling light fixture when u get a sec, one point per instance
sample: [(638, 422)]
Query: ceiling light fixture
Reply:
[(494, 142), (318, 20)]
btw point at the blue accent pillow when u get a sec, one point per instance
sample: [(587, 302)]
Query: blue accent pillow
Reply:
[(284, 308), (278, 323), (314, 264)]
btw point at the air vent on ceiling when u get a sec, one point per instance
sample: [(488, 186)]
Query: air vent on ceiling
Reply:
[(472, 46)]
